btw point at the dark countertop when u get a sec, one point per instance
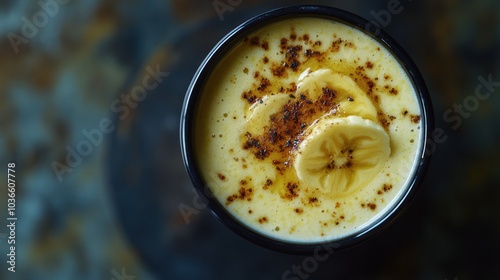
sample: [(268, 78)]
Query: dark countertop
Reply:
[(113, 210)]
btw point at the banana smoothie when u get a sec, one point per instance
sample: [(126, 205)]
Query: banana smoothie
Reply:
[(308, 130)]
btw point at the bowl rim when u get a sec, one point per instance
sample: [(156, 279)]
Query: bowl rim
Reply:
[(227, 43)]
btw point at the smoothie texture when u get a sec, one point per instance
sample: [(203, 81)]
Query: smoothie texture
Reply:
[(307, 130)]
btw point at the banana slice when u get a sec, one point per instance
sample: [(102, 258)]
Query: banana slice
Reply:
[(340, 155), (260, 112), (350, 97)]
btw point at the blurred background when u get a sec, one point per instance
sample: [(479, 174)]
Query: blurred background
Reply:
[(100, 178)]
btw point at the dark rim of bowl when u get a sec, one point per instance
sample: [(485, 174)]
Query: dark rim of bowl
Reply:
[(226, 44)]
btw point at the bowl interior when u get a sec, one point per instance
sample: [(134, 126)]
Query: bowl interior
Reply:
[(196, 88)]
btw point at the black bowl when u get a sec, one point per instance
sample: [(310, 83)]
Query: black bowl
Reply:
[(226, 44)]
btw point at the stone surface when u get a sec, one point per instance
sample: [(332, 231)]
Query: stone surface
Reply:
[(115, 212)]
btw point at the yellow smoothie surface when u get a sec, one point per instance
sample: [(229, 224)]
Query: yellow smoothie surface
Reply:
[(307, 130)]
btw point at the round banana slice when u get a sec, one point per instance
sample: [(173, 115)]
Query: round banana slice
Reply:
[(350, 97), (259, 113), (340, 155)]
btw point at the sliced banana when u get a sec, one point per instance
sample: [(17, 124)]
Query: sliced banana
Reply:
[(340, 155), (259, 114), (350, 97)]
